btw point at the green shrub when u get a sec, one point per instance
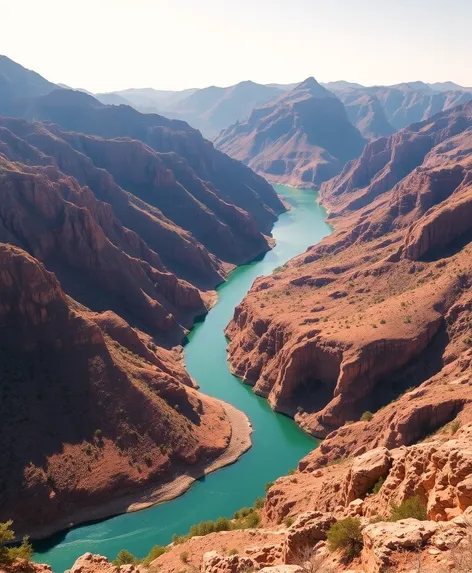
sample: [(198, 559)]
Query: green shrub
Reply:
[(288, 521), (411, 507), (243, 512), (367, 416), (292, 472), (124, 557), (253, 520), (259, 503), (233, 552), (378, 485), (455, 425), (184, 556), (155, 552), (222, 524), (346, 536), (9, 554), (98, 434), (268, 485)]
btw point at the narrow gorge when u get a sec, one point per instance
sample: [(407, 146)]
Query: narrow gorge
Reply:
[(277, 444)]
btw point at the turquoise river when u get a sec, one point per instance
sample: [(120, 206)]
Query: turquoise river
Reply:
[(278, 444)]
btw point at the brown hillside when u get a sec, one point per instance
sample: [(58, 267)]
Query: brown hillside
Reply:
[(382, 304)]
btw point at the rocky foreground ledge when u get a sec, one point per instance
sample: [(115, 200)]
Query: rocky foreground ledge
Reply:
[(300, 510)]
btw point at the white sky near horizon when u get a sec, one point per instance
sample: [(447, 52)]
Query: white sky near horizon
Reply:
[(106, 45)]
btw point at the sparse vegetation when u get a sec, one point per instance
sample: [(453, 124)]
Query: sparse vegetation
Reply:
[(346, 536), (243, 512), (9, 554), (155, 552), (412, 507), (124, 557), (367, 416), (455, 425), (378, 485), (233, 552), (289, 520), (184, 556), (462, 553), (292, 472), (259, 503), (268, 485), (244, 518), (309, 562)]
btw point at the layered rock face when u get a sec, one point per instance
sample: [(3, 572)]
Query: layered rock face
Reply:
[(197, 234), (59, 222), (115, 413), (382, 304), (233, 182), (302, 138)]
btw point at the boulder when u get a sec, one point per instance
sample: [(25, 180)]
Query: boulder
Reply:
[(308, 529)]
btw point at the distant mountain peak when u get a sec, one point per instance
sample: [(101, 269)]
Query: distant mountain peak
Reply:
[(313, 88), (309, 83)]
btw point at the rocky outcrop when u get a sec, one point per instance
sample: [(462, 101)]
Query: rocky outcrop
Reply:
[(90, 563), (437, 470), (309, 528), (213, 562), (301, 138)]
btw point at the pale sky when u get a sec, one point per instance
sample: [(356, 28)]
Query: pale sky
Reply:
[(105, 45)]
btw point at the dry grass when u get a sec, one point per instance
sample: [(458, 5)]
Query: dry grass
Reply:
[(308, 560), (462, 554)]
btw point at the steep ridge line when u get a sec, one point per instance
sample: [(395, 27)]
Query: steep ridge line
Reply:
[(369, 307)]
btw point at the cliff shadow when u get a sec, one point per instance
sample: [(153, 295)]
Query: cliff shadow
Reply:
[(418, 370)]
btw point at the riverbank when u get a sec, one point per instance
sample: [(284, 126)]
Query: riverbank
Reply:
[(277, 443), (240, 442)]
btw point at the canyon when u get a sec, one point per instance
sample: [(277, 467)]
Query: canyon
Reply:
[(111, 247), (116, 227)]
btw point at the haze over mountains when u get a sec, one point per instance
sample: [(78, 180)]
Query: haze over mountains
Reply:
[(301, 138), (115, 228)]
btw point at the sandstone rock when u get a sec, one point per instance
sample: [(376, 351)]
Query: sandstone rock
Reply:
[(364, 472), (305, 532), (89, 563), (265, 554), (213, 562), (382, 539), (282, 569)]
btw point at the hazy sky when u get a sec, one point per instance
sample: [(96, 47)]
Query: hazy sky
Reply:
[(105, 45)]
